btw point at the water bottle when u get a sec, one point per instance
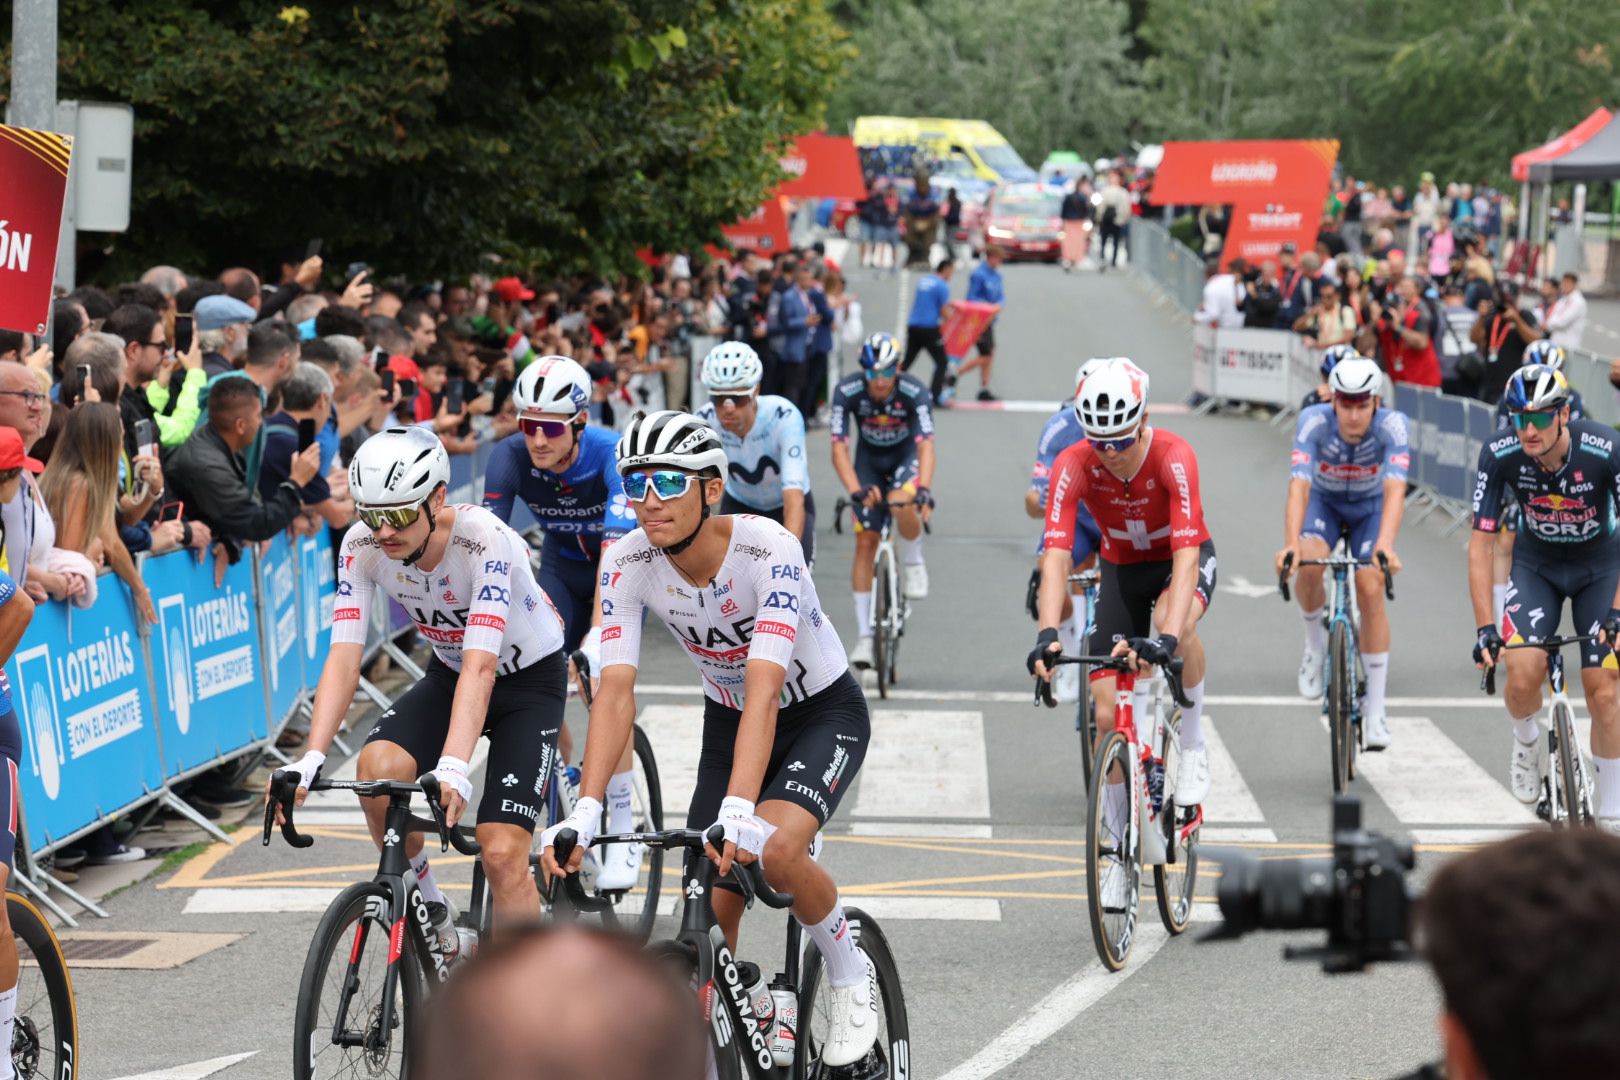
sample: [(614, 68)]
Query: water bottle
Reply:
[(1155, 779), (468, 943), (785, 1039), (759, 996)]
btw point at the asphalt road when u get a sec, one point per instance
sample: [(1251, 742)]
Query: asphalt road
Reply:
[(964, 831)]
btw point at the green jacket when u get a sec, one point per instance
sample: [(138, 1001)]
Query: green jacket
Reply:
[(176, 425)]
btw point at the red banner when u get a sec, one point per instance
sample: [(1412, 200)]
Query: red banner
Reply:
[(1276, 189), (967, 321), (764, 231), (823, 167), (33, 187)]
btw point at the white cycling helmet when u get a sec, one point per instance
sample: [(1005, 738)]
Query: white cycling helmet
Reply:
[(399, 466), (673, 439), (1112, 400), (1097, 363), (552, 384), (732, 365), (1356, 376)]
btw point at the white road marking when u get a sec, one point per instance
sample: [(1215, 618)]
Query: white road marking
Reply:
[(928, 830), (676, 732), (258, 900), (1430, 780), (1058, 1009), (924, 764), (195, 1071), (1230, 799), (1235, 834), (1239, 585), (934, 908)]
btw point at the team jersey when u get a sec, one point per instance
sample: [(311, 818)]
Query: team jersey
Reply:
[(481, 596), (1349, 471), (8, 590), (761, 605), (1144, 519), (1566, 513), (1577, 409), (766, 460), (1062, 431), (583, 507), (905, 416)]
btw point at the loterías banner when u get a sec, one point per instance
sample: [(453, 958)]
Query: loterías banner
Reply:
[(33, 188), (1275, 187)]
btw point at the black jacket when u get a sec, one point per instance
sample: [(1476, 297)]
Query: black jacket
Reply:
[(211, 479)]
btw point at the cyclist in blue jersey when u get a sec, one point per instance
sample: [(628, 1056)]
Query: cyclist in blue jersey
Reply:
[(563, 470), (893, 462), (1347, 477), (1331, 356), (767, 472), (16, 611)]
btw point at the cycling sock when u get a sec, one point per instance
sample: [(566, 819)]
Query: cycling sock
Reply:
[(424, 878), (1069, 636), (863, 613), (1315, 631), (1192, 717), (845, 964), (1377, 668), (618, 802), (8, 1019), (1498, 601), (913, 549), (1527, 730), (1608, 786)]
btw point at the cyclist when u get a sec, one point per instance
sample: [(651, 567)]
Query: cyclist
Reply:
[(1547, 354), (894, 461), (1158, 562), (463, 578), (785, 724), (16, 612), (1323, 393), (763, 436), (1565, 476), (1347, 477), (562, 470)]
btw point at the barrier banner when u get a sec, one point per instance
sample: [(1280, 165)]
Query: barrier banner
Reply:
[(1253, 365), (1405, 399), (1481, 429), (967, 321), (1304, 370), (1426, 456), (278, 614), (89, 733), (206, 660), (1203, 360), (1451, 479), (35, 167), (317, 595)]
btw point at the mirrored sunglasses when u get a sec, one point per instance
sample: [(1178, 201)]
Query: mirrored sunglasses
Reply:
[(551, 429), (668, 483), (400, 517), (1118, 446), (1541, 421), (738, 400)]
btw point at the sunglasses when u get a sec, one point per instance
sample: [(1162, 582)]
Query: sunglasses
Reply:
[(400, 517), (668, 483), (551, 429), (886, 373), (738, 400), (1118, 446), (1541, 421)]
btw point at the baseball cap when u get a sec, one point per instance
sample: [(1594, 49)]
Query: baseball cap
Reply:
[(216, 312), (12, 454), (511, 288)]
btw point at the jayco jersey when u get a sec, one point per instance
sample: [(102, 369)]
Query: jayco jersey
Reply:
[(582, 507), (1350, 472), (769, 458), (761, 605)]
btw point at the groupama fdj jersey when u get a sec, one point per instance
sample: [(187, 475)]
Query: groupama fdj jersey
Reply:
[(1569, 511)]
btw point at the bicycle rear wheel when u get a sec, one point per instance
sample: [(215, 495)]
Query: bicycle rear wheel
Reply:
[(640, 905), (45, 1039), (883, 601), (337, 1026), (1173, 882), (892, 1054), (1574, 800), (1341, 687), (1111, 865)]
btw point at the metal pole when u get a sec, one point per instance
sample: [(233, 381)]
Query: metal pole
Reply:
[(33, 100)]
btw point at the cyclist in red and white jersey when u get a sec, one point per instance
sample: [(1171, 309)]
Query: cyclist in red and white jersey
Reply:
[(463, 577), (1158, 562), (785, 725)]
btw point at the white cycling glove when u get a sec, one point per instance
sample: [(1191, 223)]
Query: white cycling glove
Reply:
[(591, 646), (584, 820), (452, 772), (742, 827), (308, 767)]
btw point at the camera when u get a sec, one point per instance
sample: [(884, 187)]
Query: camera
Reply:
[(1359, 895)]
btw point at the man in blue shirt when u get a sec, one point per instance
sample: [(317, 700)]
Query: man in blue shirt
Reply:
[(986, 287), (821, 342), (791, 318), (930, 308)]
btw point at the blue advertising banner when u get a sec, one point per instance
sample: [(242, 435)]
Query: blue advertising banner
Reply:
[(1426, 454), (1452, 478), (317, 592), (89, 733), (278, 611), (206, 660)]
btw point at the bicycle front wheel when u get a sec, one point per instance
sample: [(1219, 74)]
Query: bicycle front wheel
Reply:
[(640, 906), (1113, 870), (45, 1038), (1340, 691), (883, 601), (1174, 880), (1572, 794), (340, 1028), (892, 1054)]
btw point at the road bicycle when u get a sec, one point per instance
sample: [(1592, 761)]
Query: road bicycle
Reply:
[(1566, 787), (747, 1036), (890, 606), (1344, 682), (1133, 820), (45, 1036)]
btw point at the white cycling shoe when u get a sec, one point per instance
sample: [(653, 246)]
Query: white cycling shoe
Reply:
[(1375, 731), (1066, 683), (619, 868), (1192, 776), (860, 657), (1310, 675), (853, 1024), (1524, 771), (916, 581)]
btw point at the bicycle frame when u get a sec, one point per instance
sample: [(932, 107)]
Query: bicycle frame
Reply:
[(1550, 807)]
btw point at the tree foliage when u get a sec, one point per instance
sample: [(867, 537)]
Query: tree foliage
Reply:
[(424, 134)]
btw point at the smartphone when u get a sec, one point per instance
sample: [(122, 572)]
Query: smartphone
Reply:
[(183, 327), (502, 391), (355, 270), (388, 383), (171, 511), (306, 433), (455, 395), (379, 359), (407, 389), (313, 249), (146, 438)]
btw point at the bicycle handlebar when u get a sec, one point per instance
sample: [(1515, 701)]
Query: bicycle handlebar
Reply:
[(460, 837), (1487, 681), (1382, 562), (583, 666), (1172, 676), (842, 504), (284, 792), (750, 878)]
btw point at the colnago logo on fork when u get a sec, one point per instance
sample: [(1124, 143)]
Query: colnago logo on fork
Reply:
[(744, 1008)]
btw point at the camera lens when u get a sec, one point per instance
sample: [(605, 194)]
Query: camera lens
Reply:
[(1286, 894)]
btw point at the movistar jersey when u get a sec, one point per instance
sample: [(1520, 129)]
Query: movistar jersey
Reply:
[(766, 460), (582, 507), (1567, 512)]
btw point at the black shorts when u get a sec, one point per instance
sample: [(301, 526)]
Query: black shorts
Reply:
[(1126, 595), (11, 751), (891, 470), (807, 540), (987, 341), (1537, 589), (820, 744), (525, 711)]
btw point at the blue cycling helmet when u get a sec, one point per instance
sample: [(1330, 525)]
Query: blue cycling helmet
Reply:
[(1334, 354), (1535, 388), (1546, 354), (880, 355)]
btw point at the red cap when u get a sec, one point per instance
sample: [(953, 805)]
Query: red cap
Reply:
[(404, 367), (12, 454), (510, 289)]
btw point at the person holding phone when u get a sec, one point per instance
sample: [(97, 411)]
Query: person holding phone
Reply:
[(306, 405)]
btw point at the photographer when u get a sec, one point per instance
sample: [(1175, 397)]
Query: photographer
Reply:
[(1501, 334), (1406, 336), (1328, 322), (1264, 296)]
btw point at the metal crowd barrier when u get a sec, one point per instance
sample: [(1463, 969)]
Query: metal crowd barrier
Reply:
[(1176, 268)]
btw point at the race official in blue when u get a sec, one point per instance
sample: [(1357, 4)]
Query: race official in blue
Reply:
[(929, 310), (1347, 477), (985, 287)]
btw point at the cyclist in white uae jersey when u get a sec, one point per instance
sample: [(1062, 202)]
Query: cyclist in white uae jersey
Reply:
[(464, 579), (785, 725)]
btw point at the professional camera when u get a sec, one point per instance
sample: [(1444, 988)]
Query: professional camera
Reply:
[(1359, 896)]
